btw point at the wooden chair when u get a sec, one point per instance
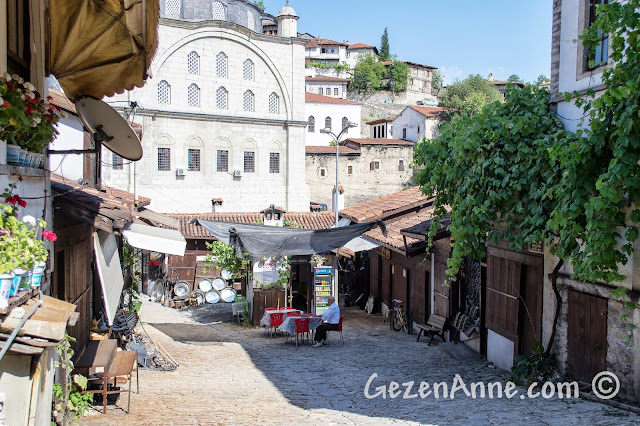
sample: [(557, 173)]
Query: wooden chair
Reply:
[(339, 330), (122, 370), (433, 327)]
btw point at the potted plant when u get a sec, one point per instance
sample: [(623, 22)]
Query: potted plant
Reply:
[(27, 121), (20, 248)]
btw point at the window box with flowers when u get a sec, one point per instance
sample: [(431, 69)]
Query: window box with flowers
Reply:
[(22, 253), (27, 121)]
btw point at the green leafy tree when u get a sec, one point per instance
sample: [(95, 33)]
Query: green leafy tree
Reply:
[(222, 256), (541, 79), (398, 76), (367, 74), (385, 52), (436, 81), (469, 96), (514, 78), (259, 3)]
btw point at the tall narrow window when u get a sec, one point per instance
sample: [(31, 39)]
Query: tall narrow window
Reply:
[(404, 133), (193, 95), (345, 121), (217, 11), (312, 124), (274, 162), (274, 103), (221, 65), (601, 54), (164, 92), (250, 21), (249, 101), (172, 9), (327, 123), (116, 161), (247, 70), (164, 159), (249, 161), (222, 98), (321, 91), (18, 31), (401, 165), (349, 170), (222, 161), (194, 160), (335, 91), (193, 63)]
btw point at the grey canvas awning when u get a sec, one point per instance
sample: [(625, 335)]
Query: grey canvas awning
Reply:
[(259, 241)]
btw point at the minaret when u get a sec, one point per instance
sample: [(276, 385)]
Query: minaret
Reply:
[(288, 22)]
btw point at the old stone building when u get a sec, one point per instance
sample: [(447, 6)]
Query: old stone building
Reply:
[(224, 114), (368, 169)]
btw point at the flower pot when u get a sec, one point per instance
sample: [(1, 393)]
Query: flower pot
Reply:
[(36, 274), (34, 160), (23, 156), (19, 276), (26, 162), (40, 161), (5, 288), (13, 154)]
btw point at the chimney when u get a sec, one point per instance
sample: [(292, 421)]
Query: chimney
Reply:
[(340, 199), (490, 76)]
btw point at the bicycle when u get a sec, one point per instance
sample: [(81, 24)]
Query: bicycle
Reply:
[(400, 321)]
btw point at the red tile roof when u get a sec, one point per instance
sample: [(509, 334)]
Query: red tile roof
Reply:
[(381, 120), (330, 150), (312, 97), (387, 206), (325, 79), (308, 220), (360, 46), (379, 141), (314, 42), (394, 237), (411, 63), (427, 111)]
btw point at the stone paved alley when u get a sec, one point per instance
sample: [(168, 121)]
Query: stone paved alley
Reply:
[(229, 374)]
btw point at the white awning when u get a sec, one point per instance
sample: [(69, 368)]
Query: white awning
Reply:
[(151, 238), (109, 271), (360, 244)]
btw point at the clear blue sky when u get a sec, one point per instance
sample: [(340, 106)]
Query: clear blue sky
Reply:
[(460, 37)]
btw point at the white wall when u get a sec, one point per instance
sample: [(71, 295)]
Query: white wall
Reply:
[(71, 136), (328, 89), (499, 350), (321, 111), (417, 125)]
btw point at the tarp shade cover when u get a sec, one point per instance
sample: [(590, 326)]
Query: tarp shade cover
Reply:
[(109, 271), (156, 239), (259, 241), (98, 48)]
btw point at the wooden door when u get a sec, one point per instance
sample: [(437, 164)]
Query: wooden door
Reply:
[(530, 308), (503, 284), (586, 335), (441, 289)]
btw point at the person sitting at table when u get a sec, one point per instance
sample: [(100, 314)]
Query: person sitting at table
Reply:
[(330, 320)]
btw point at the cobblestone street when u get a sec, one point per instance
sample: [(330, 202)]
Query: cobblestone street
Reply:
[(229, 374)]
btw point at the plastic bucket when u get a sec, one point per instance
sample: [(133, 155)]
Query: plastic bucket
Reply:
[(16, 283), (36, 274), (6, 281), (13, 154)]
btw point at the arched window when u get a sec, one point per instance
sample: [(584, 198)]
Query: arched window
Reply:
[(221, 65), (164, 92), (274, 103), (345, 120), (172, 8), (222, 98), (193, 63), (249, 101), (193, 95), (217, 11), (312, 124), (247, 70), (327, 123), (250, 21)]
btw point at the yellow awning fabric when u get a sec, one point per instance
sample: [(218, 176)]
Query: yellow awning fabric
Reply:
[(101, 47)]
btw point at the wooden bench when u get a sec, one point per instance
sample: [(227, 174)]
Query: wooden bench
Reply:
[(433, 327)]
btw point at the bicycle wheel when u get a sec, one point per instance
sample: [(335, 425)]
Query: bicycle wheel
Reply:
[(405, 322), (397, 322)]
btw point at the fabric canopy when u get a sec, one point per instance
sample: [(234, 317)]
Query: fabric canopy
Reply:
[(156, 239), (98, 48), (257, 241)]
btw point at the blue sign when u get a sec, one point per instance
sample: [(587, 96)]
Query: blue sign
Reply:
[(319, 271)]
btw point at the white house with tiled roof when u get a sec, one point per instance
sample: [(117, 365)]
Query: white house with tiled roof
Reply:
[(325, 111), (368, 169), (334, 87), (416, 122), (356, 49), (224, 114)]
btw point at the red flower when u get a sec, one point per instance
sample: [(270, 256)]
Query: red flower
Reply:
[(51, 236), (22, 203), (29, 109), (20, 178), (6, 104), (34, 100), (10, 200), (154, 263)]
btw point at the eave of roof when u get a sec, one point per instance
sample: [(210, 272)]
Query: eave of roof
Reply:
[(321, 99), (387, 206)]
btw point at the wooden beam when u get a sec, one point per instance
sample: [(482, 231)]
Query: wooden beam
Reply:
[(159, 218)]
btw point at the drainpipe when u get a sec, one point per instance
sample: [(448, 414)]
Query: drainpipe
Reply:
[(20, 325)]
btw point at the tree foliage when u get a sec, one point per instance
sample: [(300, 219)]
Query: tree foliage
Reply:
[(541, 79), (436, 81), (384, 52), (222, 256), (367, 74), (514, 78), (398, 76), (469, 96)]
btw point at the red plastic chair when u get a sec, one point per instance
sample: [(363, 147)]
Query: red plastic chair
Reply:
[(339, 330), (302, 326), (293, 314), (276, 320), (270, 309)]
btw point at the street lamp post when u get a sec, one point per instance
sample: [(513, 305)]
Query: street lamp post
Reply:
[(336, 139)]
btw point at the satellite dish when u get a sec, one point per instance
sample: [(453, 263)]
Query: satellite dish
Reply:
[(109, 128)]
